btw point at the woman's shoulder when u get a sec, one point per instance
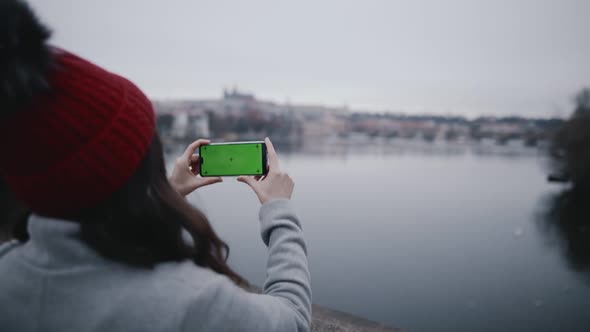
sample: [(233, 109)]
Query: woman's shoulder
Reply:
[(8, 246)]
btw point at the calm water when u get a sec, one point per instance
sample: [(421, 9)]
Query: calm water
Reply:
[(421, 237)]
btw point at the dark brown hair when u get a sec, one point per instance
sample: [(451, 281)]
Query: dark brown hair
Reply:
[(142, 223), (13, 216)]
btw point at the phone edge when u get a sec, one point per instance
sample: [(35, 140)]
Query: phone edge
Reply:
[(264, 158)]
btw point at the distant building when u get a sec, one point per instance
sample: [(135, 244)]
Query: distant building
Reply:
[(191, 126), (234, 94), (322, 126), (242, 115), (498, 128)]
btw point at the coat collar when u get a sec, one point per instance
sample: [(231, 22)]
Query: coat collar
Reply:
[(56, 243)]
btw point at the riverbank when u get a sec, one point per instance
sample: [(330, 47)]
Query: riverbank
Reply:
[(325, 319)]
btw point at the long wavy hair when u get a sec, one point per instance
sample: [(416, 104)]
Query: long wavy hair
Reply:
[(13, 216), (142, 223)]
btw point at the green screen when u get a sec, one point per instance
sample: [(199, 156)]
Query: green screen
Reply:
[(231, 159)]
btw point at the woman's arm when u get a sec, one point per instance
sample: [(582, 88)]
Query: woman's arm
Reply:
[(285, 304), (287, 269)]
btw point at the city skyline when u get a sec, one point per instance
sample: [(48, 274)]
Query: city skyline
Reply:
[(525, 57)]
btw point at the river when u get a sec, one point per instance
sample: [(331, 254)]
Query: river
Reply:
[(420, 236)]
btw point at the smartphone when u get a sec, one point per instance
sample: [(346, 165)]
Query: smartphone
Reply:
[(233, 158)]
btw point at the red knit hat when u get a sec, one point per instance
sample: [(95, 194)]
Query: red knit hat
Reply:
[(77, 143), (73, 145)]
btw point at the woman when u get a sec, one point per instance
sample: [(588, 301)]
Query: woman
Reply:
[(105, 249)]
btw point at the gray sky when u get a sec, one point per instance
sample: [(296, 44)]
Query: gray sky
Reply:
[(525, 57)]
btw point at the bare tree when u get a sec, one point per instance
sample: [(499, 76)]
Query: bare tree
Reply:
[(567, 214), (570, 151)]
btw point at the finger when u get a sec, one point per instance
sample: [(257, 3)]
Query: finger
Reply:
[(190, 150), (195, 164), (208, 181), (249, 181), (198, 182), (273, 159)]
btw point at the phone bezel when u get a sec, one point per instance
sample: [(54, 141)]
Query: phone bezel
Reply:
[(264, 158)]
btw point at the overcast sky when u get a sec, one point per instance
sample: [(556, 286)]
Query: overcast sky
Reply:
[(525, 57)]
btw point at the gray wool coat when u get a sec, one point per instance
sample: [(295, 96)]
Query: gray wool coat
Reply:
[(54, 282)]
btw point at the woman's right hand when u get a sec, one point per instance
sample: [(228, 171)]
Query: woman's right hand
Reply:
[(275, 184)]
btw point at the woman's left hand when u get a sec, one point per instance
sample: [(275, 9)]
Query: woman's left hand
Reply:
[(185, 176)]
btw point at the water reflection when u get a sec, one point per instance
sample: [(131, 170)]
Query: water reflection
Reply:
[(341, 148), (566, 219)]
